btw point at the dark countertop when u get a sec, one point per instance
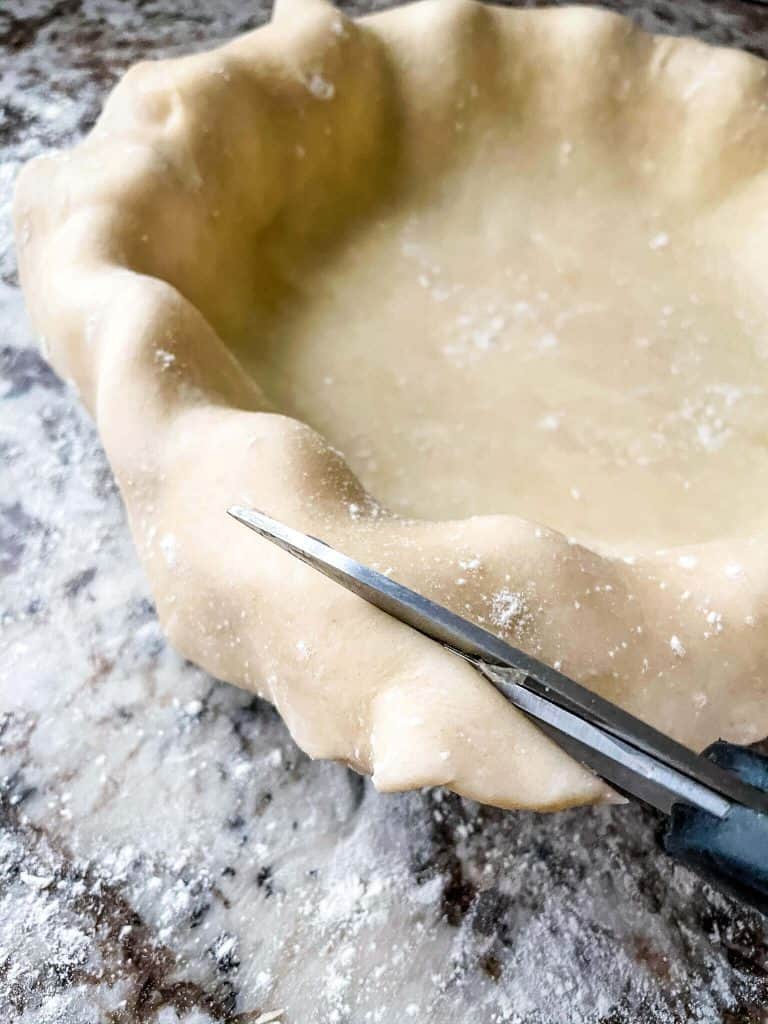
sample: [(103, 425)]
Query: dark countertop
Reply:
[(166, 853)]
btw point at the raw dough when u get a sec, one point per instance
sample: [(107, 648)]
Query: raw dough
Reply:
[(417, 284)]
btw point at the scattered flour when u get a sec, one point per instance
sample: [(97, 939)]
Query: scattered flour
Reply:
[(714, 622), (170, 549), (320, 87), (677, 646), (509, 610), (164, 358)]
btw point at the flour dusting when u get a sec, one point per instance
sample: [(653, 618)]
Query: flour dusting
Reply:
[(167, 855)]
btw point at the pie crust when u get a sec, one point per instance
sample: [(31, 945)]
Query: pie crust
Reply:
[(478, 296)]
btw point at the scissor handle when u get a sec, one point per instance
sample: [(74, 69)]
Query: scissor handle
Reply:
[(730, 852)]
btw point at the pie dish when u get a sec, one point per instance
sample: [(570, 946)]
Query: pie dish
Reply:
[(478, 296)]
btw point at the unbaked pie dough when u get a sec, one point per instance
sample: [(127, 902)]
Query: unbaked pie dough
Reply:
[(478, 296)]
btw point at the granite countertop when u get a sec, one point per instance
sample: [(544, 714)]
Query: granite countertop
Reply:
[(166, 853)]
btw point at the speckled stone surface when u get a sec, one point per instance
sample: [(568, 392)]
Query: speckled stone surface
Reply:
[(166, 853)]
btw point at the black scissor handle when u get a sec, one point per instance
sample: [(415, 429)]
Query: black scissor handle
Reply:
[(730, 852)]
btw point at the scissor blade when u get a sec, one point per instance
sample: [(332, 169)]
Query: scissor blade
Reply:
[(471, 640), (625, 767)]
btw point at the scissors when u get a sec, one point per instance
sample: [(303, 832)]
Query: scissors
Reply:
[(716, 802)]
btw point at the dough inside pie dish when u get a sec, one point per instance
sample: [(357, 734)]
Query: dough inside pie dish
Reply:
[(478, 296)]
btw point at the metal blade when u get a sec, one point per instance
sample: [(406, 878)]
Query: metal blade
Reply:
[(626, 767), (469, 639)]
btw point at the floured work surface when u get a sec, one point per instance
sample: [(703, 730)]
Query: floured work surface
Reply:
[(245, 879)]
